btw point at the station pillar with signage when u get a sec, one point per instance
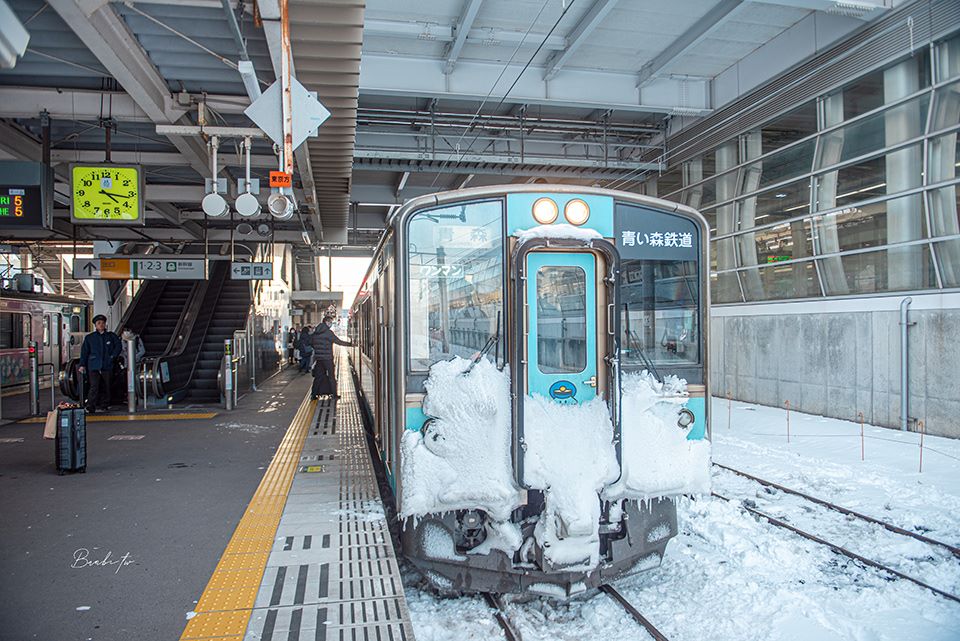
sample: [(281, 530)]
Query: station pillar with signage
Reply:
[(106, 299)]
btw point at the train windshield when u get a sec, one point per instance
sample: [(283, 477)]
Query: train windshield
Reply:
[(455, 256), (659, 312)]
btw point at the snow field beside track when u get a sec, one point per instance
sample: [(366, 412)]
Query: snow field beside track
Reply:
[(731, 576)]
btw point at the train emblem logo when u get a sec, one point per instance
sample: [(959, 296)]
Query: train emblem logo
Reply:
[(563, 391)]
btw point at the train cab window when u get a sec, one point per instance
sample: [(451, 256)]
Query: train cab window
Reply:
[(14, 330), (455, 291), (659, 312), (561, 319), (75, 323)]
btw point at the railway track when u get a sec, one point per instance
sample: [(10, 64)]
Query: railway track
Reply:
[(512, 634), (611, 591), (842, 510), (500, 614), (839, 549)]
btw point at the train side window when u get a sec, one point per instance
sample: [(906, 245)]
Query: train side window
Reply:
[(455, 256), (46, 330), (14, 330), (561, 319)]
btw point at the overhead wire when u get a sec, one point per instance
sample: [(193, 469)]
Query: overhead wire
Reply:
[(496, 82)]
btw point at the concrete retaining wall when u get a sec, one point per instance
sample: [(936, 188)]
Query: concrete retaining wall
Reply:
[(839, 363)]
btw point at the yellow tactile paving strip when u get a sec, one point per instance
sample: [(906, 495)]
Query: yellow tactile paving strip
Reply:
[(226, 603), (123, 418)]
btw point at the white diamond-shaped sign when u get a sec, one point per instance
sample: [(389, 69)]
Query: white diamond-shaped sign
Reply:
[(308, 113)]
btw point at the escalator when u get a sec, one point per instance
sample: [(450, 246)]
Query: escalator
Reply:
[(188, 369), (230, 315), (183, 325), (159, 328), (155, 315)]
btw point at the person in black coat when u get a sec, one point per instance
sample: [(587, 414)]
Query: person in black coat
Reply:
[(98, 354), (322, 341), (306, 351)]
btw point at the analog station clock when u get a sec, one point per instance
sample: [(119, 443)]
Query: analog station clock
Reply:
[(110, 194)]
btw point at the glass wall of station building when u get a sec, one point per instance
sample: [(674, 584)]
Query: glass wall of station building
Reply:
[(853, 193)]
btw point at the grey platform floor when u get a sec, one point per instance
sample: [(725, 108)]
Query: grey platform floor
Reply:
[(170, 501)]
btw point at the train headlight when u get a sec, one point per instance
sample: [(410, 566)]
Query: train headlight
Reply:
[(576, 212), (685, 419), (545, 211)]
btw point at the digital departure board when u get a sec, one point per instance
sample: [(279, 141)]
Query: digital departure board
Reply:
[(21, 207)]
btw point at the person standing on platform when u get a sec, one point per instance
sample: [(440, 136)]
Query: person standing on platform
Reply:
[(293, 336), (97, 357), (139, 350), (306, 350), (322, 342)]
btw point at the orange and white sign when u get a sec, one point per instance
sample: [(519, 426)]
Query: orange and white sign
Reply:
[(280, 179)]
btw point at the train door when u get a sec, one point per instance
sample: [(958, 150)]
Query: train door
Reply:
[(51, 352), (563, 302)]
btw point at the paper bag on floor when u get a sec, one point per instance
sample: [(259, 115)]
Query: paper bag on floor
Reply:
[(50, 427)]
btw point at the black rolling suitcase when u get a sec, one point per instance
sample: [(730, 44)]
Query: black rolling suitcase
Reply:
[(71, 440)]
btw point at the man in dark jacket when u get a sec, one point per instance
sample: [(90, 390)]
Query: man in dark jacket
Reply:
[(97, 355), (322, 341)]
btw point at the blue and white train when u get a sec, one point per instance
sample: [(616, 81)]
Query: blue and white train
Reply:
[(568, 292)]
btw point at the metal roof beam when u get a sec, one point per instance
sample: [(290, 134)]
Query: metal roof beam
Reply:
[(590, 21), (18, 144), (687, 40), (402, 183), (453, 158), (411, 76), (447, 33), (464, 25), (362, 164), (172, 214), (108, 38), (82, 104), (153, 158)]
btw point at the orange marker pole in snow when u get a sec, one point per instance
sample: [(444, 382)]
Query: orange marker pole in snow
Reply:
[(860, 416), (787, 403), (920, 426)]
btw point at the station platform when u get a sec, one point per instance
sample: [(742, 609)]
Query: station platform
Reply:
[(160, 538)]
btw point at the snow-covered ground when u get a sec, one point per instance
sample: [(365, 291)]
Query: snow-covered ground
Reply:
[(728, 575)]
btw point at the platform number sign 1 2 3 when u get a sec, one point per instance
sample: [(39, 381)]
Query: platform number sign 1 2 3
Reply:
[(105, 193)]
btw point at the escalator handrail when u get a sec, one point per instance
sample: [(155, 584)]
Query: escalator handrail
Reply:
[(133, 307), (181, 333)]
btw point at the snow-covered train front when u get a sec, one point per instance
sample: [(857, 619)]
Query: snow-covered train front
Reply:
[(533, 362)]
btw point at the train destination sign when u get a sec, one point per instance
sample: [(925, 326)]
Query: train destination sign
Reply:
[(655, 235), (21, 207), (23, 195), (155, 268), (251, 271)]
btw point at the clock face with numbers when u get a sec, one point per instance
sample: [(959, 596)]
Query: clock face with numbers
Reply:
[(106, 194)]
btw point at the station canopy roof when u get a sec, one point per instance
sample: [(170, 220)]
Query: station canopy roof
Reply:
[(425, 95)]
